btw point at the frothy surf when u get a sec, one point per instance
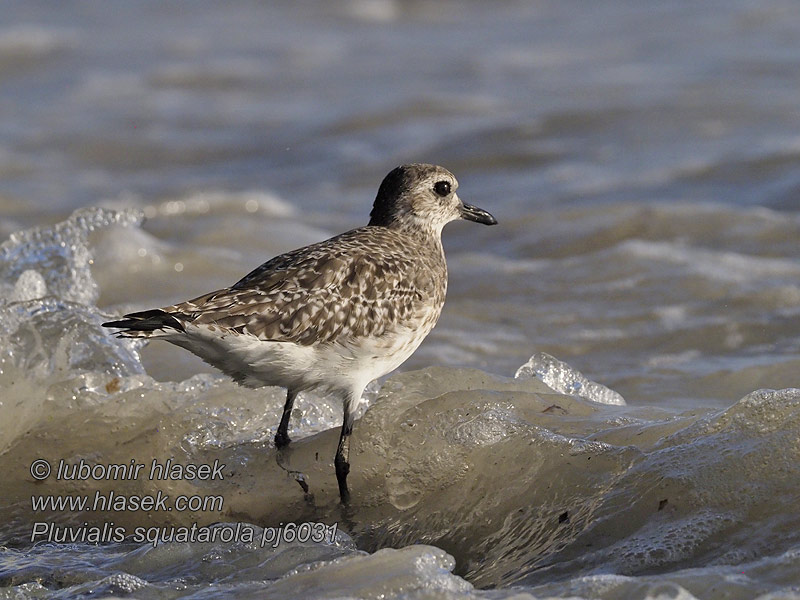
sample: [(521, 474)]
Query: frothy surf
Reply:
[(462, 478)]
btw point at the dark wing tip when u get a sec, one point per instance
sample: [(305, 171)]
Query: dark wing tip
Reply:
[(148, 320)]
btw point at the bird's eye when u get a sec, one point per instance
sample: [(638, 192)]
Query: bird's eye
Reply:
[(442, 188)]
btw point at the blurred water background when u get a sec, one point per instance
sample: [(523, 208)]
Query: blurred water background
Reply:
[(643, 160)]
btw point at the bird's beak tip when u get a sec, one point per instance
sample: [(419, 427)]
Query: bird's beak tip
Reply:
[(478, 215)]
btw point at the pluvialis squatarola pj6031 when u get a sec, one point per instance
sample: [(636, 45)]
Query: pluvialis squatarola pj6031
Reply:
[(332, 316)]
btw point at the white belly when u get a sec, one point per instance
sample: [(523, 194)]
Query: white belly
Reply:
[(335, 367)]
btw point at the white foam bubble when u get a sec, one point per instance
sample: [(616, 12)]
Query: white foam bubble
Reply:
[(60, 254), (563, 378), (29, 286)]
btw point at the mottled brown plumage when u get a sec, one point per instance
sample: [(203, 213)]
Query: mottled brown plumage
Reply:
[(334, 315), (357, 284)]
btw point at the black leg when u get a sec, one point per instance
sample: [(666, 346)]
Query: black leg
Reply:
[(343, 455), (343, 466), (282, 437)]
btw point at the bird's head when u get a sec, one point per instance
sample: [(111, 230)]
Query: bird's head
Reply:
[(422, 196)]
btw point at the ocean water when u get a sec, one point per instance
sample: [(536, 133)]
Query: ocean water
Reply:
[(607, 407)]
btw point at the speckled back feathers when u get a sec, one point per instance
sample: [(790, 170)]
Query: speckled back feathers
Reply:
[(360, 283)]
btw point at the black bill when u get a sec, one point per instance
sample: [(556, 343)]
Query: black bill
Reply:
[(473, 213)]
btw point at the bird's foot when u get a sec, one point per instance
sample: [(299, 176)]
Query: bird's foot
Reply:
[(282, 440), (283, 459), (342, 469), (344, 495), (300, 478)]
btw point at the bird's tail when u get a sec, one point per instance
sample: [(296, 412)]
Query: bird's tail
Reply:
[(148, 323)]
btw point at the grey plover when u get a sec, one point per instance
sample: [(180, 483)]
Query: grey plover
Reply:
[(334, 315)]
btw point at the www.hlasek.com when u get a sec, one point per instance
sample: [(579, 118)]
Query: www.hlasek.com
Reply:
[(113, 502)]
